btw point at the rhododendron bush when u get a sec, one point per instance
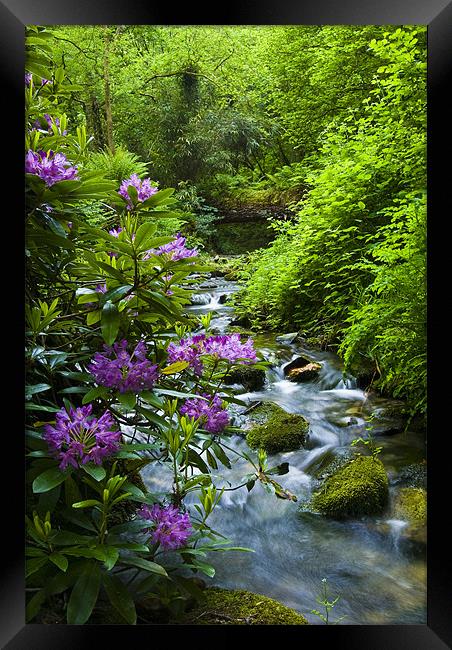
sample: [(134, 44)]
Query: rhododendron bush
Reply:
[(118, 377)]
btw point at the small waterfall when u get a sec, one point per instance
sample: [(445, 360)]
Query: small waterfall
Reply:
[(396, 526)]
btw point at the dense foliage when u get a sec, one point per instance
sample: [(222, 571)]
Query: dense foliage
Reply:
[(116, 378), (350, 267)]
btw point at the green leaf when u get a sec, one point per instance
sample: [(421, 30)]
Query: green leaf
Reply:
[(111, 556), (211, 460), (174, 368), (177, 393), (220, 454), (84, 595), (88, 298), (158, 197), (79, 519), (281, 469), (120, 598), (128, 400), (117, 293), (34, 565), (98, 391), (93, 317), (143, 235), (147, 565), (88, 503), (110, 322), (59, 560), (34, 605), (39, 407), (152, 417), (208, 569), (36, 388), (48, 480), (96, 471), (110, 270), (133, 489), (152, 398)]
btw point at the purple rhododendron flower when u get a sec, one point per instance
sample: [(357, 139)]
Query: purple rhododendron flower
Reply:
[(144, 189), (212, 415), (28, 78), (51, 167), (189, 350), (45, 81), (77, 438), (116, 368), (227, 347), (171, 528), (176, 250), (101, 288)]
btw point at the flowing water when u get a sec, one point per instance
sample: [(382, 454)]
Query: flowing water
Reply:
[(378, 573)]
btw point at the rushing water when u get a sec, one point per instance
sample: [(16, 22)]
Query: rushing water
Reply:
[(379, 577)]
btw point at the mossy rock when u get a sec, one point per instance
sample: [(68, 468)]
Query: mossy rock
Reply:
[(357, 489), (240, 607), (411, 504), (261, 412), (251, 378), (281, 432), (413, 476)]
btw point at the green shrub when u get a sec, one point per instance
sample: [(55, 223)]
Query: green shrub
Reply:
[(117, 166)]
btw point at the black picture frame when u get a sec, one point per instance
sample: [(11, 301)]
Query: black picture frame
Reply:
[(14, 15)]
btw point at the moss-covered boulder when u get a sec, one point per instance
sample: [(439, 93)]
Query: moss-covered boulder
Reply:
[(251, 378), (357, 489), (240, 607), (411, 504), (280, 432)]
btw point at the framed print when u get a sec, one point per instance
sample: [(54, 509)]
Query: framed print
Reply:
[(228, 271)]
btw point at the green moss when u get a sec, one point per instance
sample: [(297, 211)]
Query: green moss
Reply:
[(251, 378), (240, 607), (281, 432), (411, 504), (264, 411), (357, 489)]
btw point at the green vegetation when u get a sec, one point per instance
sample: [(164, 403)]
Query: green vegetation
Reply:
[(290, 159), (281, 432), (241, 607), (357, 489)]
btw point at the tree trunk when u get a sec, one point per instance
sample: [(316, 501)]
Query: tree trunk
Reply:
[(108, 112)]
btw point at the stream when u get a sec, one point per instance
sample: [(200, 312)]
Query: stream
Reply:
[(379, 573)]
